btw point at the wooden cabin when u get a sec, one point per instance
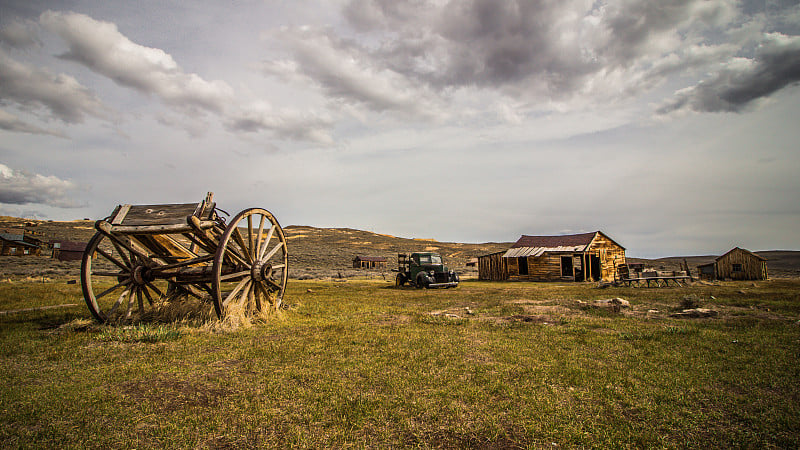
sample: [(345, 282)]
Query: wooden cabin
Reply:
[(19, 245), (574, 257), (737, 264), (369, 262)]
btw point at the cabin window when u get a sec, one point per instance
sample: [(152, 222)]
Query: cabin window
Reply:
[(522, 262), (566, 266), (737, 267), (13, 251)]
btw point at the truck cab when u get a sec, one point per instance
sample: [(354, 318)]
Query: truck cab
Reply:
[(424, 270)]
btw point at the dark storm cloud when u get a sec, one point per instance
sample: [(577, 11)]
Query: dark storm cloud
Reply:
[(775, 66), (540, 50)]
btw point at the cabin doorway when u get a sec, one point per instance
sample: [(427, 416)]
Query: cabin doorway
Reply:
[(522, 262), (566, 266), (594, 263)]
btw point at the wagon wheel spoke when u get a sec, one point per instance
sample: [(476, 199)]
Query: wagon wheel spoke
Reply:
[(258, 292), (147, 294), (272, 252), (100, 273), (260, 233), (119, 301), (124, 266), (130, 304), (265, 244), (235, 256), (154, 288), (235, 291), (139, 299), (266, 293), (113, 288), (273, 285), (234, 275), (237, 236), (121, 252), (250, 237)]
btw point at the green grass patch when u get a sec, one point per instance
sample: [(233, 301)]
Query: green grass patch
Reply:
[(364, 364)]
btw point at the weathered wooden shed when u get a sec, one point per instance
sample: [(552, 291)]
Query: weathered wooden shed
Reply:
[(737, 264), (576, 257), (369, 262), (19, 245), (68, 250)]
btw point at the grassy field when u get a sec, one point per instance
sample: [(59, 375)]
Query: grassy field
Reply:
[(364, 364)]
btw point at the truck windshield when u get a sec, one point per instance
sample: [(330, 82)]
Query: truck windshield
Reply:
[(427, 260)]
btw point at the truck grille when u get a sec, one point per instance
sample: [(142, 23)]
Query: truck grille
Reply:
[(442, 277)]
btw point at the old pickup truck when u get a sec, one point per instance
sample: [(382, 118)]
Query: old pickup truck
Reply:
[(424, 270)]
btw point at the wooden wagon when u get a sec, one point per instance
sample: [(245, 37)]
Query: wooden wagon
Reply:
[(145, 255)]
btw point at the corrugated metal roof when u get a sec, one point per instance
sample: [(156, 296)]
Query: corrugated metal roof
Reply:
[(17, 239), (517, 252), (583, 239)]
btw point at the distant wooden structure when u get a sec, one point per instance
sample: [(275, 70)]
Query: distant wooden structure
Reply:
[(19, 245), (369, 262), (574, 257), (737, 264), (472, 262), (68, 250)]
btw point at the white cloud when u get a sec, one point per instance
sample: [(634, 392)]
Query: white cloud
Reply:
[(19, 187), (102, 48)]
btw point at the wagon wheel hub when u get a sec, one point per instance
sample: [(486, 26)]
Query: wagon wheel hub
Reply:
[(141, 275), (261, 271)]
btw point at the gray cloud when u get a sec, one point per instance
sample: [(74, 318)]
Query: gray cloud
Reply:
[(11, 122), (286, 125), (19, 35), (348, 71), (20, 187), (32, 88), (742, 81)]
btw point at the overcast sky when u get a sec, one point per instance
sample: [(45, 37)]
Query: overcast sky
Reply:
[(672, 125)]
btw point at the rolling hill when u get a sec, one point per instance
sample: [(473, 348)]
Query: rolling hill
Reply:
[(329, 252)]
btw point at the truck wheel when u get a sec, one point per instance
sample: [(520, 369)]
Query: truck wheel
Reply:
[(422, 282), (400, 280)]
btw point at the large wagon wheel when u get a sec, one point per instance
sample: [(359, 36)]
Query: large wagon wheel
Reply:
[(116, 281), (250, 267)]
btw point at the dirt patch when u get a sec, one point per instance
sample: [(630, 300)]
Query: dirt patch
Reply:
[(393, 319), (169, 394)]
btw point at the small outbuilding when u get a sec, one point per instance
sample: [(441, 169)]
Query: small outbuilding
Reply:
[(737, 264), (68, 250), (19, 245), (574, 257), (369, 262)]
